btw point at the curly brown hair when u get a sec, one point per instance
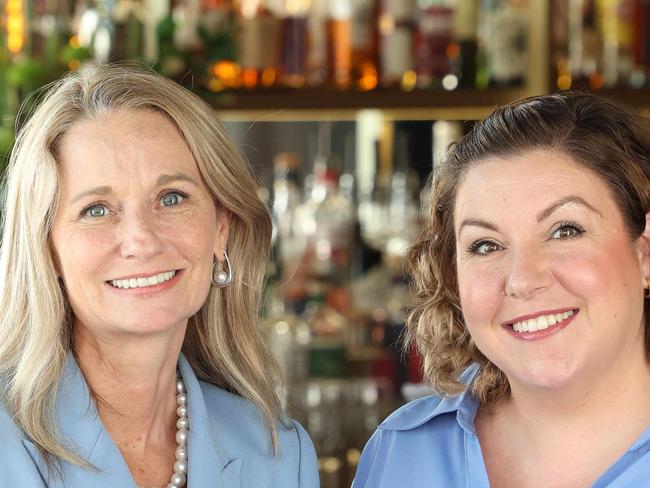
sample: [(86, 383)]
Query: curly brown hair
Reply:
[(598, 133)]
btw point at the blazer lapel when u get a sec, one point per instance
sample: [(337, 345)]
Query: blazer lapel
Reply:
[(209, 463)]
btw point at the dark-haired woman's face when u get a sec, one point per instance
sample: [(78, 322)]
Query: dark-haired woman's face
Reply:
[(550, 284)]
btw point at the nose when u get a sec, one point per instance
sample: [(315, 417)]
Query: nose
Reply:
[(527, 274), (139, 238)]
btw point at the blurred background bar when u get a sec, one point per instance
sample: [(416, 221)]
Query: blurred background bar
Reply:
[(343, 108)]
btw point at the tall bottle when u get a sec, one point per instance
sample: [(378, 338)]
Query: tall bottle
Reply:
[(293, 43), (257, 42), (363, 38), (465, 33), (286, 200), (502, 28), (326, 223), (432, 41), (617, 27), (317, 68), (584, 44), (395, 24), (339, 43)]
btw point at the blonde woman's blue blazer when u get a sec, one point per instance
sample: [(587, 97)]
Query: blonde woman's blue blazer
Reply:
[(228, 444)]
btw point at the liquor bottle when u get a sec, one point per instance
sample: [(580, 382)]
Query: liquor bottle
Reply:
[(444, 133), (584, 44), (217, 48), (641, 71), (339, 45), (363, 40), (129, 29), (617, 24), (559, 33), (403, 206), (104, 32), (502, 29), (287, 336), (465, 50), (293, 43), (286, 200), (395, 25), (433, 35), (317, 68), (258, 43)]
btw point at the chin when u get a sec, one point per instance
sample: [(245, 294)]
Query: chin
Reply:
[(551, 375)]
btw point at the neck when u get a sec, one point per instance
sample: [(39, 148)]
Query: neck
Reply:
[(133, 381), (612, 394)]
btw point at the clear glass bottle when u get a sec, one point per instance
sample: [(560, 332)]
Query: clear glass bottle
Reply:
[(326, 222), (288, 338), (286, 200)]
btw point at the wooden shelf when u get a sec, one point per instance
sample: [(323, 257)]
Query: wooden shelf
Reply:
[(330, 104)]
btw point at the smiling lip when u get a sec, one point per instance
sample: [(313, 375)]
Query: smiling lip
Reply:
[(141, 275), (543, 333), (147, 290), (538, 314)]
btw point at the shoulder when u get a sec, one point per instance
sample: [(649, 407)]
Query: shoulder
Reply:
[(244, 434), (423, 410), (420, 444), (17, 465)]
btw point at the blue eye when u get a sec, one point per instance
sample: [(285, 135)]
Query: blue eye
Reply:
[(96, 210), (171, 199)]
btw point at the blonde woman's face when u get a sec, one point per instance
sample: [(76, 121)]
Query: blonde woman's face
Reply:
[(551, 286), (136, 229)]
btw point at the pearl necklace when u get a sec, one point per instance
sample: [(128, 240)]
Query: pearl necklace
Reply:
[(179, 478)]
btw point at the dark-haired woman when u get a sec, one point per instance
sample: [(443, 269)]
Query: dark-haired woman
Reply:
[(531, 282)]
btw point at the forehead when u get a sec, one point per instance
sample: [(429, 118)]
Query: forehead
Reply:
[(125, 143), (525, 183)]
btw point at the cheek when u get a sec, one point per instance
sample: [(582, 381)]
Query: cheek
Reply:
[(194, 237), (480, 292), (77, 253), (610, 272)]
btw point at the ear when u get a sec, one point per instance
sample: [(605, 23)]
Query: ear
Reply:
[(224, 218), (643, 252)]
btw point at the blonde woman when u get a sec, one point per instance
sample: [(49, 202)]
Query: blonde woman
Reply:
[(132, 263)]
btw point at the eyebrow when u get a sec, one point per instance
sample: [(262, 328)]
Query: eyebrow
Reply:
[(162, 180), (565, 201), (544, 214)]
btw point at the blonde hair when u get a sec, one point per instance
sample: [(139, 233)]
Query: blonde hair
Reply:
[(594, 132), (222, 342)]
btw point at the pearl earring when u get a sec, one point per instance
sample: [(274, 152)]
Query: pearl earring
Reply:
[(222, 278)]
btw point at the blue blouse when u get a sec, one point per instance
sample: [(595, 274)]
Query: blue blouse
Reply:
[(227, 445), (431, 442)]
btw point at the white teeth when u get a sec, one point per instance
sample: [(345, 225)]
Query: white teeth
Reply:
[(542, 322), (142, 282)]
